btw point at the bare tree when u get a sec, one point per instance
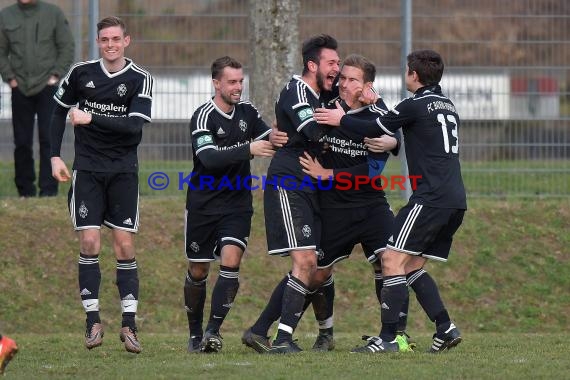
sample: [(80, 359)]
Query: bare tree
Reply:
[(274, 57)]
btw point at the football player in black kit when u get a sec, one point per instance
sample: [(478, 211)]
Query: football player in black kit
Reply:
[(351, 215), (292, 220), (108, 101), (226, 134), (424, 228)]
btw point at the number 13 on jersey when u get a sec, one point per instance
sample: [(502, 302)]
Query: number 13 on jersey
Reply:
[(445, 121)]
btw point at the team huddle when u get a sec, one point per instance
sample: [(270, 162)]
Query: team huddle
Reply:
[(329, 121)]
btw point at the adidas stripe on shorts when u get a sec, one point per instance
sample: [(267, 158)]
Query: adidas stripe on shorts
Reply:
[(292, 220), (425, 231), (97, 198)]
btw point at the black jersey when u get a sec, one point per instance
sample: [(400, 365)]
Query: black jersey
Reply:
[(294, 114), (430, 125), (122, 94), (221, 155), (346, 150)]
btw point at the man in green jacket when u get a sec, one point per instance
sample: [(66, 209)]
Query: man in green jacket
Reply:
[(36, 49)]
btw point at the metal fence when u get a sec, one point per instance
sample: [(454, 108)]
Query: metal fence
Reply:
[(507, 70)]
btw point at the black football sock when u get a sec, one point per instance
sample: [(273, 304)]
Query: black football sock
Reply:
[(323, 306), (292, 309), (394, 293), (223, 296), (89, 283), (272, 310), (428, 296), (308, 299), (128, 285), (194, 299), (378, 285), (403, 320)]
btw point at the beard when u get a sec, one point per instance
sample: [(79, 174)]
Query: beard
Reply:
[(228, 100), (321, 81)]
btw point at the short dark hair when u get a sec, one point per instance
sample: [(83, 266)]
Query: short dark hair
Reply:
[(219, 64), (362, 63), (428, 64), (110, 21), (312, 49)]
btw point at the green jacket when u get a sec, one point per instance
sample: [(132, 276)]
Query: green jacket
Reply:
[(35, 42)]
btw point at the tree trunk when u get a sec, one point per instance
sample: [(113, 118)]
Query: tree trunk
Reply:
[(275, 56)]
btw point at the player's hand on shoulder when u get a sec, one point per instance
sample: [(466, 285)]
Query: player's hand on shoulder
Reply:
[(79, 117), (59, 170), (261, 148), (329, 116)]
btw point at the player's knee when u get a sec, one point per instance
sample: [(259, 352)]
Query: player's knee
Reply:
[(320, 277), (90, 245), (305, 265), (124, 250), (414, 263), (393, 263), (198, 271), (231, 256)]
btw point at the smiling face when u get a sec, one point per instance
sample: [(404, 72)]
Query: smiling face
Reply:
[(351, 83), (229, 87), (112, 43), (327, 69)]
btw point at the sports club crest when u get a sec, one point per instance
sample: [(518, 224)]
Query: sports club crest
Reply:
[(122, 90), (306, 231), (242, 125), (83, 211)]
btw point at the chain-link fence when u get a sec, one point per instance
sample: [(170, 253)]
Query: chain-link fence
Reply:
[(506, 69)]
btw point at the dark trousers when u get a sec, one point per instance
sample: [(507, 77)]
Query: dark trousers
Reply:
[(24, 111)]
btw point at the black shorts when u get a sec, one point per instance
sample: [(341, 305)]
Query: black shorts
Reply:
[(425, 231), (205, 235), (346, 227), (97, 198), (292, 220)]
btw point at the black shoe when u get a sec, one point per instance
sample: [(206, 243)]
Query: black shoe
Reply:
[(375, 344), (284, 348), (445, 340), (211, 342), (194, 344), (324, 342), (258, 342)]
